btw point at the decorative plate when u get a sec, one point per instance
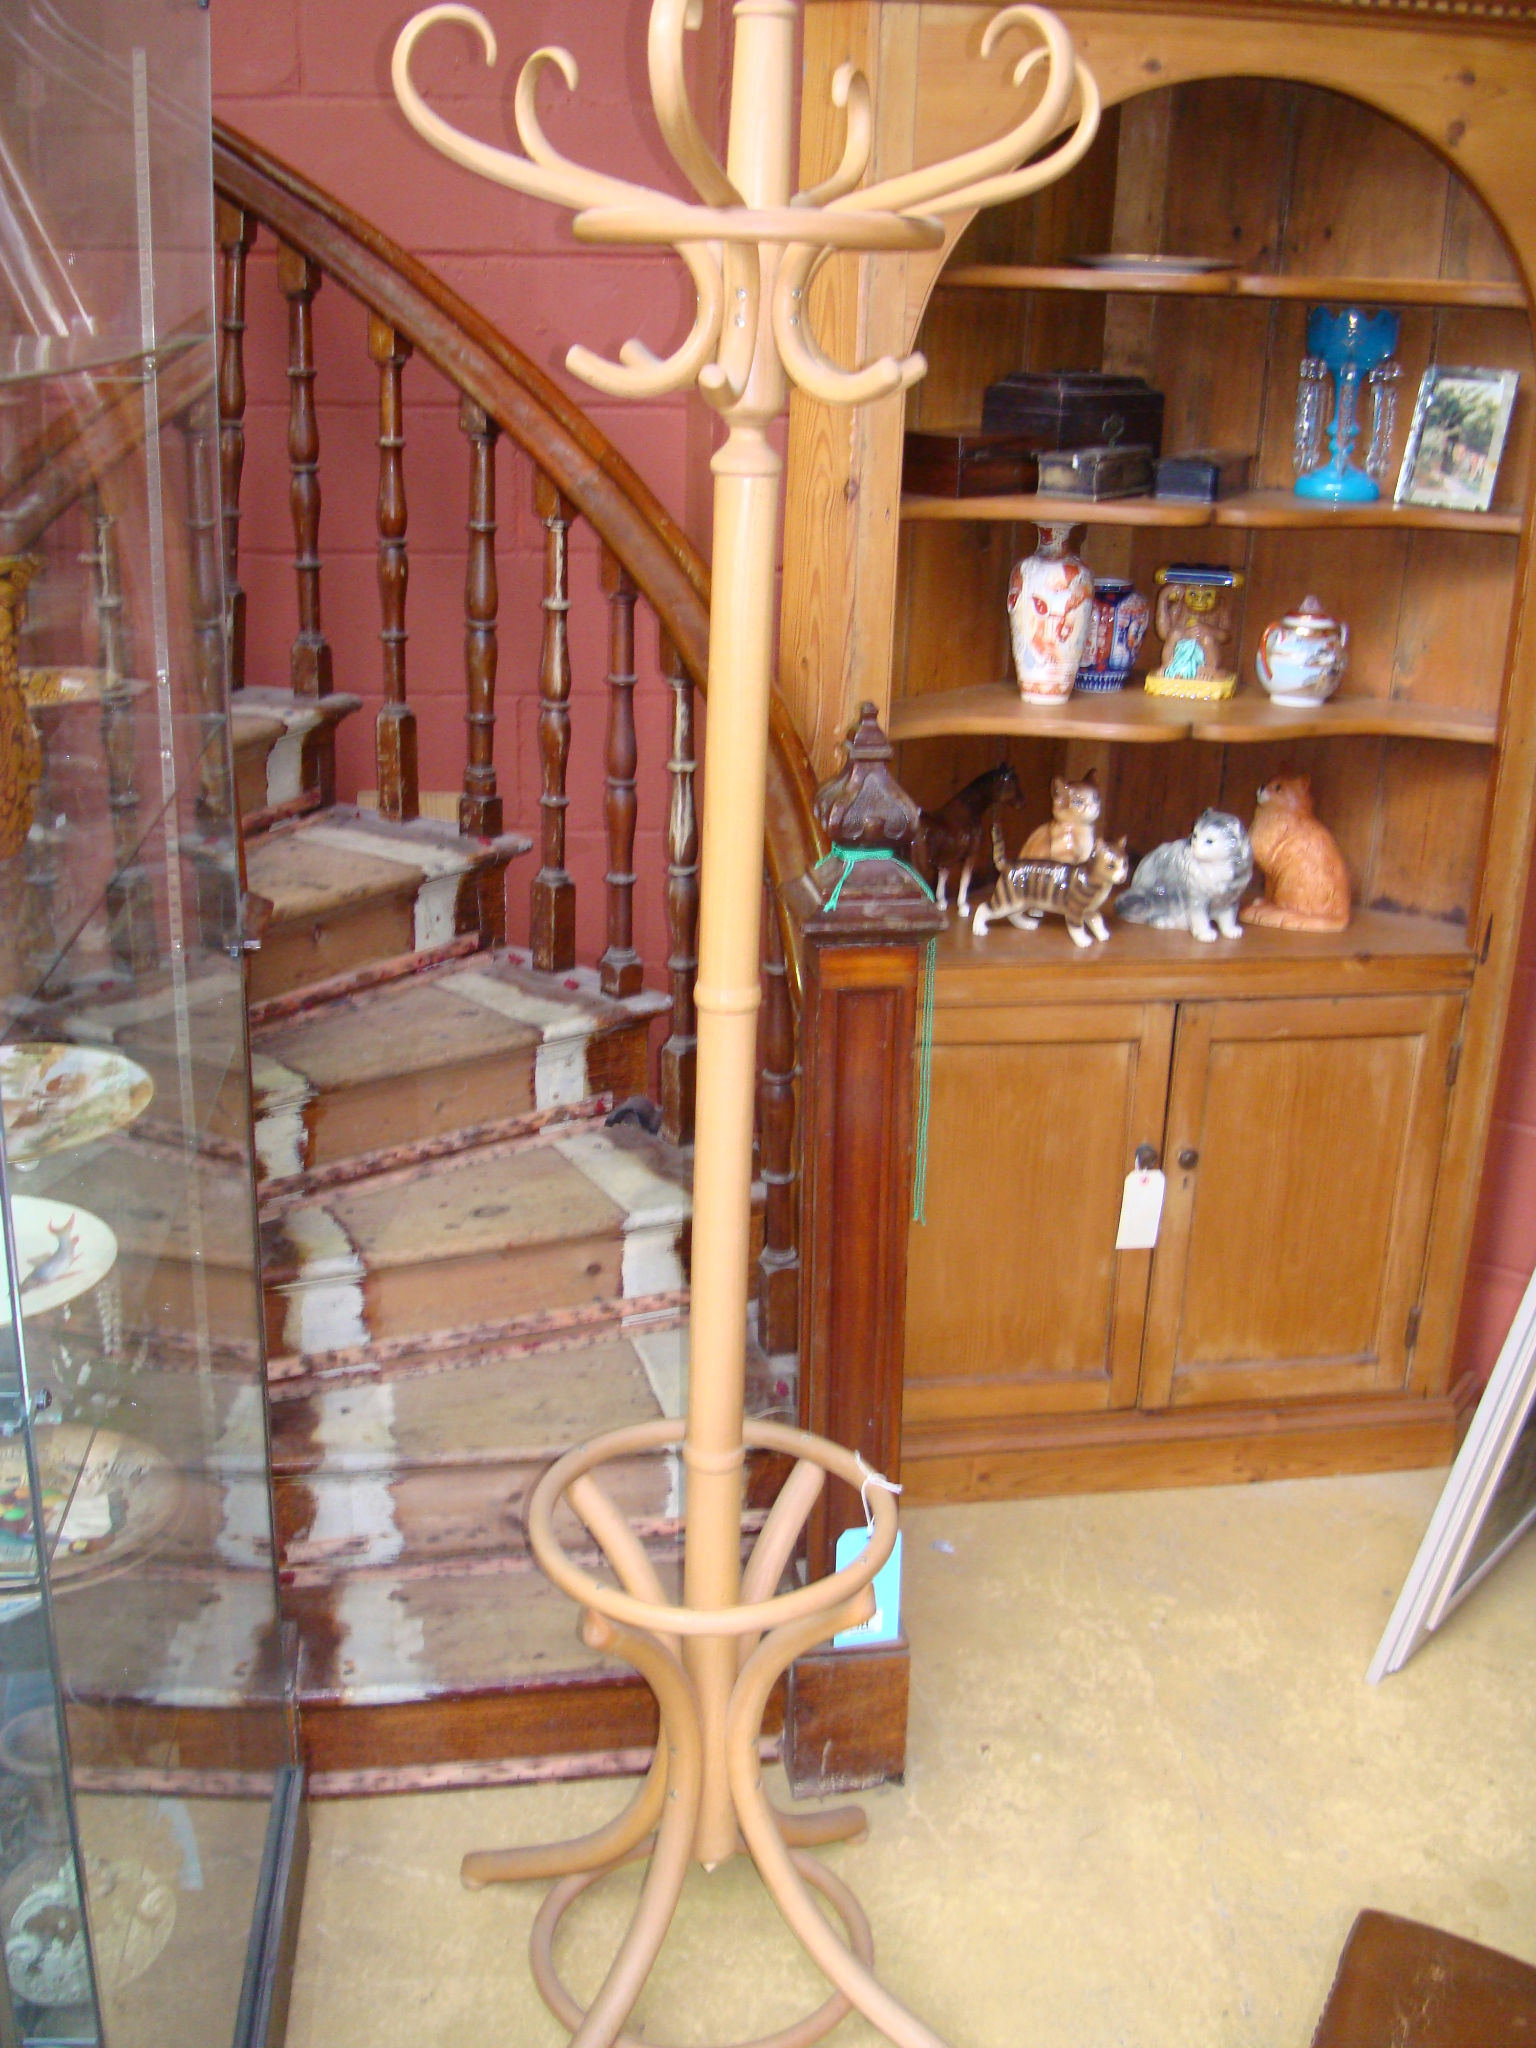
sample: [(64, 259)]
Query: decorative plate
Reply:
[(105, 1497), (133, 1914), (56, 1096), (62, 1250), (1170, 266)]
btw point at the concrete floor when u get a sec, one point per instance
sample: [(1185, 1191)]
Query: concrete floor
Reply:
[(1147, 1791)]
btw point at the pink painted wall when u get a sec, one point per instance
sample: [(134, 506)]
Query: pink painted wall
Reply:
[(310, 80)]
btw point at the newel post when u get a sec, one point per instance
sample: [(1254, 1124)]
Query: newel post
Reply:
[(862, 929)]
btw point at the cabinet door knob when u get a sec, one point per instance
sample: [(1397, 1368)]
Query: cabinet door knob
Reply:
[(1189, 1158), (1147, 1159)]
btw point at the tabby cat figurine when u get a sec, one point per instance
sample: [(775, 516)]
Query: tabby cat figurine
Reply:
[(1306, 884), (1076, 891), (1073, 829)]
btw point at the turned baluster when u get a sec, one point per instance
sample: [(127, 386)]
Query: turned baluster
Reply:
[(778, 1265), (678, 1054), (395, 732), (553, 919), (236, 232), (129, 892), (310, 665), (620, 968), (197, 425), (480, 806)]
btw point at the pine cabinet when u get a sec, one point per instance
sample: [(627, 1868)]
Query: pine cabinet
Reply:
[(1320, 1104), (1299, 1138)]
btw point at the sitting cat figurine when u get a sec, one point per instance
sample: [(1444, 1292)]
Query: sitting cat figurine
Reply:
[(1185, 883), (1026, 889), (1306, 884), (1074, 822)]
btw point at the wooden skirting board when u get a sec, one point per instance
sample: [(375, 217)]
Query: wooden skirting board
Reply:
[(1181, 1447), (575, 1716)]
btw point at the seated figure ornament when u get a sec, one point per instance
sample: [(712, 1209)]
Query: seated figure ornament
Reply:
[(751, 247)]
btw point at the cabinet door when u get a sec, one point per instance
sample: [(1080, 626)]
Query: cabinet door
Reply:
[(1303, 1143), (1017, 1301)]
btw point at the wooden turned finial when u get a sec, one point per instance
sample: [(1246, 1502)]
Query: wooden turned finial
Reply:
[(865, 806)]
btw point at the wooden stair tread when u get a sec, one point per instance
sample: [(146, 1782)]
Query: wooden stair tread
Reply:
[(349, 889), (372, 1638), (500, 1231), (459, 1206), (343, 856), (488, 1006), (518, 1406), (303, 876)]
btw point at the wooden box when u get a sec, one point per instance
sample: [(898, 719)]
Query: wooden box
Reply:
[(1112, 471), (968, 464), (1075, 408), (1204, 474)]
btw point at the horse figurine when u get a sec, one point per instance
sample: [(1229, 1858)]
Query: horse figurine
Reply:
[(954, 837)]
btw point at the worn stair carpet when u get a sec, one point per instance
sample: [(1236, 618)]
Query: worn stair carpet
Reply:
[(450, 1048), (347, 888)]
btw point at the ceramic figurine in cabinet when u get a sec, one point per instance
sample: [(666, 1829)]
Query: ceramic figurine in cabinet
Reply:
[(1050, 608), (1194, 622), (1193, 885), (1306, 884), (1121, 616), (1301, 658), (951, 839), (1074, 826), (1026, 890)]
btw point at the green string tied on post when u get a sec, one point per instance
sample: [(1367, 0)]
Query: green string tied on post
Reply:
[(850, 856)]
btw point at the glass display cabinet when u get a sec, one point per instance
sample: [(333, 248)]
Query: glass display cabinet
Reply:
[(150, 1816)]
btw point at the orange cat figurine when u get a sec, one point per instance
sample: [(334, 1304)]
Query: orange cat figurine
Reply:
[(1306, 885)]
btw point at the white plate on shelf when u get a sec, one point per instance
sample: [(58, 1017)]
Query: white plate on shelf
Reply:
[(1169, 266), (62, 1250), (56, 1096)]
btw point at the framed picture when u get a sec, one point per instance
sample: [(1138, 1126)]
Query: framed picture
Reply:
[(1488, 1504), (1460, 420)]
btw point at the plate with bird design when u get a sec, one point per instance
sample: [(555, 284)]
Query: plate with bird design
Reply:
[(57, 1096)]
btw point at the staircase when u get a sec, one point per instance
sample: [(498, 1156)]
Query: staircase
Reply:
[(465, 1267)]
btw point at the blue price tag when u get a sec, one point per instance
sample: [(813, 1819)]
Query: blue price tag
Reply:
[(884, 1625)]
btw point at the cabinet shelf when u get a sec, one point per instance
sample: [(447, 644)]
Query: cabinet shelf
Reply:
[(1380, 953), (1239, 284), (1131, 715), (1248, 509)]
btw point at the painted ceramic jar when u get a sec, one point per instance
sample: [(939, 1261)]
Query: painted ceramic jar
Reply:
[(1301, 658), (1050, 609), (1120, 617)]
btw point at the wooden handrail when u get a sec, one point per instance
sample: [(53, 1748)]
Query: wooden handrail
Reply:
[(566, 446)]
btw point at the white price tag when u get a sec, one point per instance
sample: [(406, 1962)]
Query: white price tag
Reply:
[(1141, 1210)]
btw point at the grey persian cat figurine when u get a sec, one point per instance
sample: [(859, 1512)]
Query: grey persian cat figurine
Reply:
[(1186, 883)]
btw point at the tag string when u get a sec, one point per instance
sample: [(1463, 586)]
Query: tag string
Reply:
[(850, 856), (872, 1478)]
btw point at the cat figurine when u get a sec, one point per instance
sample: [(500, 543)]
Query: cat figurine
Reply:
[(1186, 883), (1074, 822), (1306, 884), (1027, 889)]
